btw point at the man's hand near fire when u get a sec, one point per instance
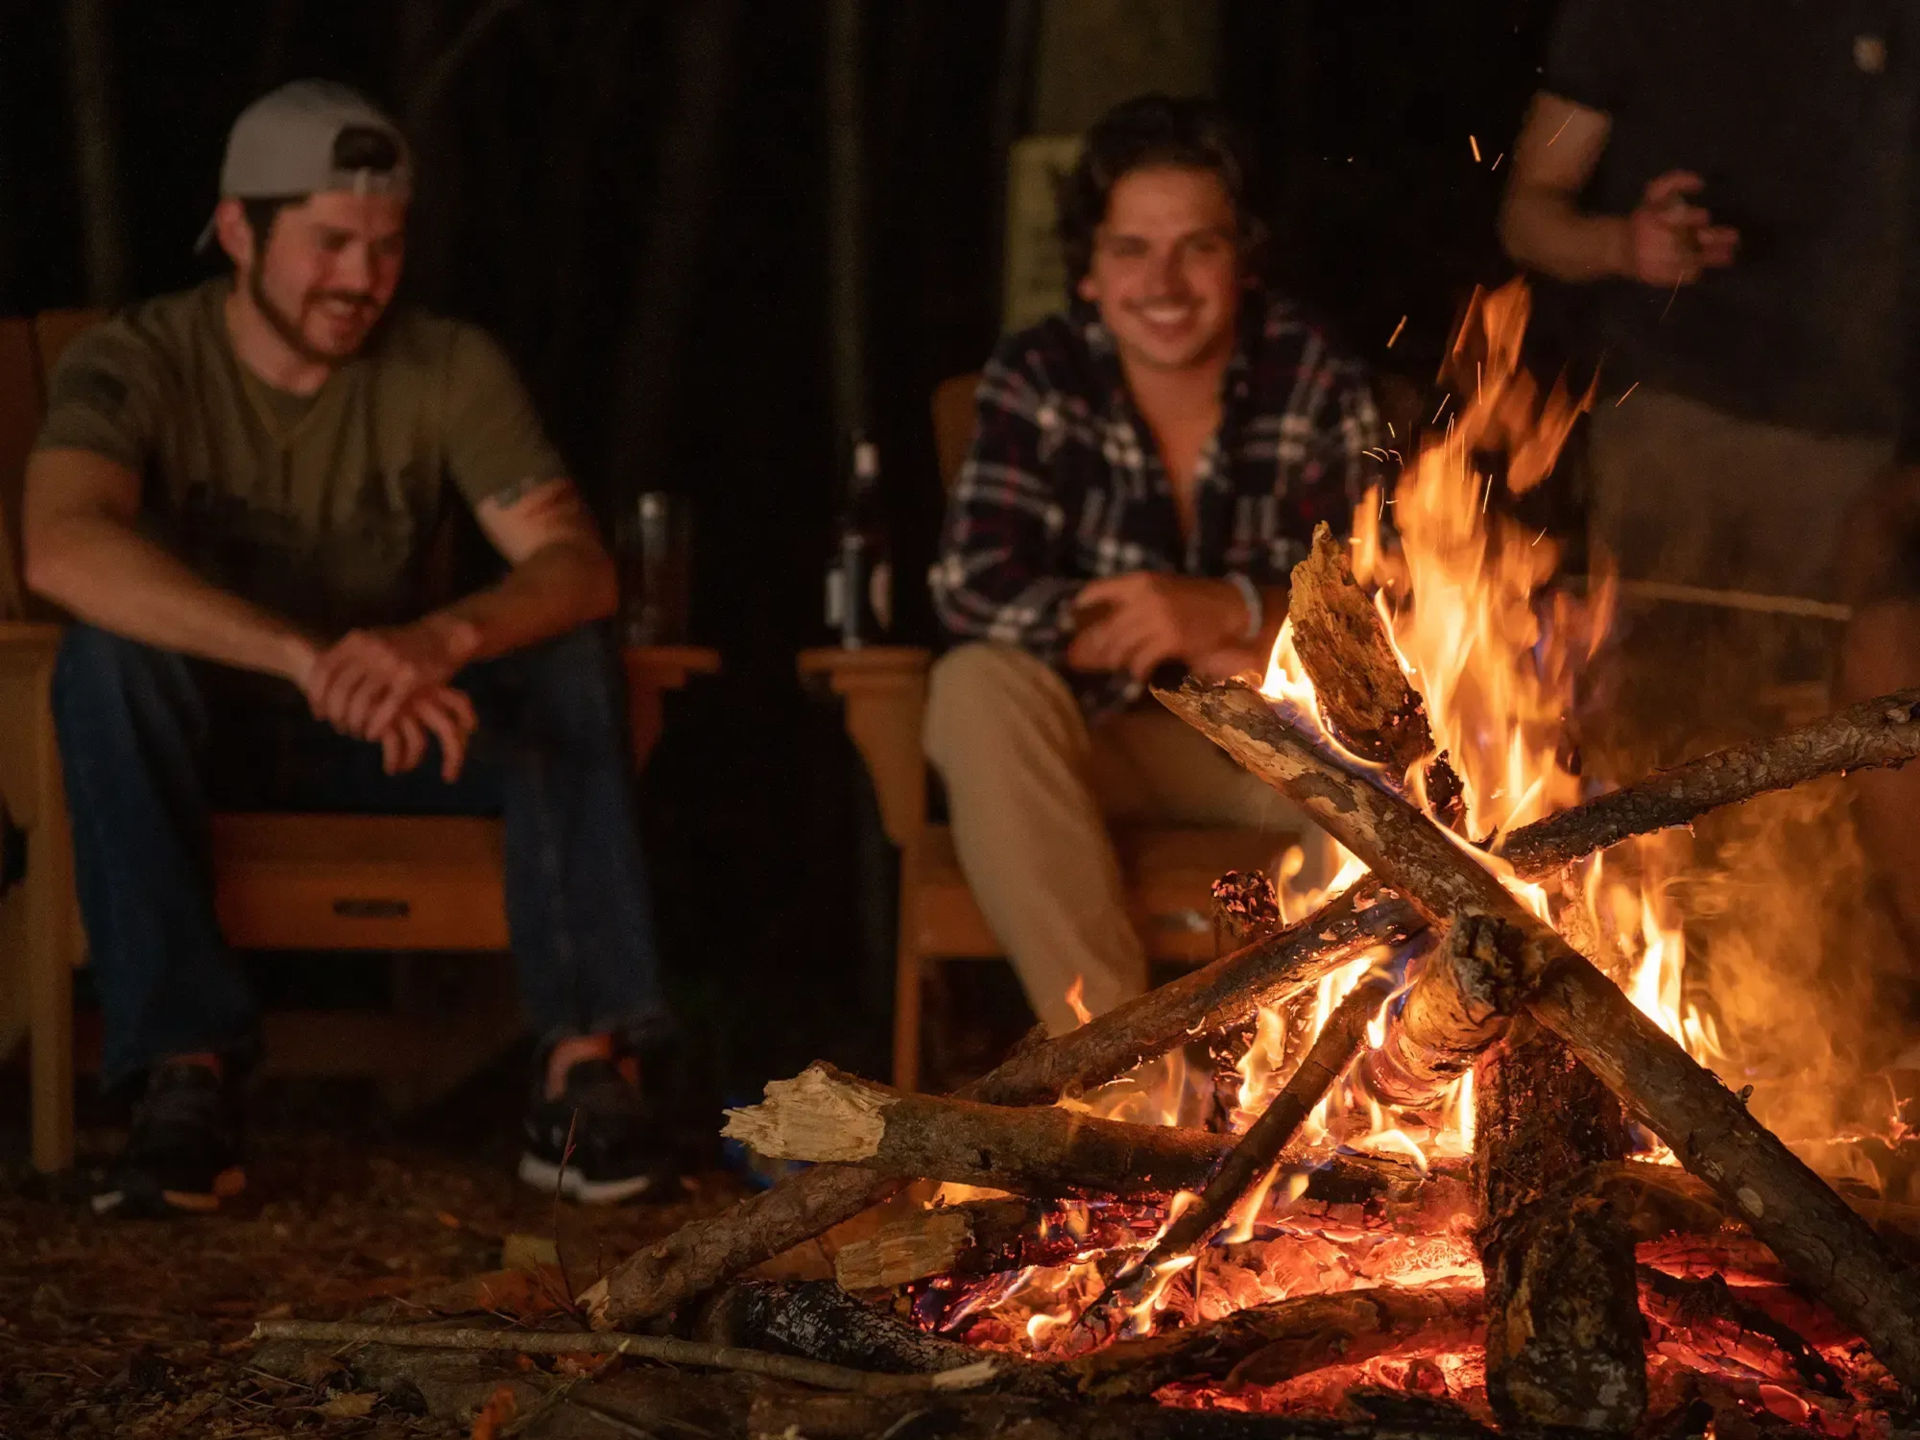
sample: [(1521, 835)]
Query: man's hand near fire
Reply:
[(389, 686), (1137, 622), (1668, 240)]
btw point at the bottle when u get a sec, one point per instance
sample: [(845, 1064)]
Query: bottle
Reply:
[(859, 607)]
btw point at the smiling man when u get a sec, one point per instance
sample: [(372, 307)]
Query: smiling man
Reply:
[(1148, 469), (235, 494)]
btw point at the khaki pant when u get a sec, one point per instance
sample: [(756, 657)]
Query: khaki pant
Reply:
[(1031, 787)]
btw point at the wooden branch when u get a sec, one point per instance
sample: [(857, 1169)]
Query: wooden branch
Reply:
[(1871, 734), (1259, 1149), (1363, 692), (1266, 1344), (1824, 1244), (1564, 1343), (825, 1115), (1220, 996), (1456, 1007), (663, 1348)]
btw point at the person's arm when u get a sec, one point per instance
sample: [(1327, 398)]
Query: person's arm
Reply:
[(85, 553), (561, 578), (996, 576), (1665, 240)]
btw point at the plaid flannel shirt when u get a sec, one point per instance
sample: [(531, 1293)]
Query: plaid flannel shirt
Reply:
[(1064, 483)]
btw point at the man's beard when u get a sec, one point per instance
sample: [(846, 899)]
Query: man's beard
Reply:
[(288, 328)]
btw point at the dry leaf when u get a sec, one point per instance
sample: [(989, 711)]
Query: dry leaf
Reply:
[(492, 1416), (351, 1405)]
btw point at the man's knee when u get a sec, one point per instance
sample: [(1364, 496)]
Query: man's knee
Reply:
[(97, 672), (980, 695)]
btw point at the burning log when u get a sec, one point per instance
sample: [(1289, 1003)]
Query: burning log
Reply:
[(825, 1115), (1866, 736), (1564, 1342), (1711, 1299), (1266, 1344), (1245, 909), (1221, 996), (1829, 1248), (1259, 1149), (1456, 1007), (1362, 689)]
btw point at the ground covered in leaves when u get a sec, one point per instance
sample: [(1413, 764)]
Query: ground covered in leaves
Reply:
[(138, 1329)]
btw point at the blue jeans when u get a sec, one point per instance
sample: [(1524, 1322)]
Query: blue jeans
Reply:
[(151, 743)]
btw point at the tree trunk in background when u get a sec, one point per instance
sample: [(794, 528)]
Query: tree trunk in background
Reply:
[(1095, 53), (95, 120), (660, 309), (846, 217)]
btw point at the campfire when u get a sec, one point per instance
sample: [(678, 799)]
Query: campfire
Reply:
[(1445, 1137)]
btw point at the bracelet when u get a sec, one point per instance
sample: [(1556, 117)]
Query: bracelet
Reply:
[(1250, 597)]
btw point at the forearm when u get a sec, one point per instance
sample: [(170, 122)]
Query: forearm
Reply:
[(1545, 230), (106, 573), (558, 588)]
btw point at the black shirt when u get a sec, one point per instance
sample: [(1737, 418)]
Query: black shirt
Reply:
[(1799, 116)]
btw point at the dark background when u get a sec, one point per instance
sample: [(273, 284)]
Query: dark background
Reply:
[(632, 195)]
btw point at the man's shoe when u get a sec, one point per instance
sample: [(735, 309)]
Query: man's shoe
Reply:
[(615, 1154), (182, 1155)]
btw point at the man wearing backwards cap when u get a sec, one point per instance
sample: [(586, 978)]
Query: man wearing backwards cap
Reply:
[(233, 494)]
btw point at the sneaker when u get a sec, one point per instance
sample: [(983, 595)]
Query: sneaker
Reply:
[(182, 1155), (616, 1153)]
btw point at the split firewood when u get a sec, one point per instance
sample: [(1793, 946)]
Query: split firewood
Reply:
[(1267, 1344), (1259, 1149), (1564, 1343), (1872, 734), (1829, 1248), (980, 1237), (1362, 689), (1221, 996), (1455, 1008), (824, 1114), (975, 1371)]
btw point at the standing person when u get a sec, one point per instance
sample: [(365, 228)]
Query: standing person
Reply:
[(232, 494), (1733, 186), (1148, 469)]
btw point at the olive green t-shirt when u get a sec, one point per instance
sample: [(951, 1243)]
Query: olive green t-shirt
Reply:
[(320, 507)]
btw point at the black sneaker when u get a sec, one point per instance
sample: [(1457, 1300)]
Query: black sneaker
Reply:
[(616, 1152), (182, 1155)]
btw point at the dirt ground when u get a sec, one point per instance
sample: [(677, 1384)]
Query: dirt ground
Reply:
[(138, 1329)]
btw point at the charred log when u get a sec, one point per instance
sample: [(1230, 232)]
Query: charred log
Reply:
[(1456, 1007), (1362, 690), (1564, 1336), (1266, 1344)]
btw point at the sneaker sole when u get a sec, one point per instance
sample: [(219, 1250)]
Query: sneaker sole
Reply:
[(548, 1177)]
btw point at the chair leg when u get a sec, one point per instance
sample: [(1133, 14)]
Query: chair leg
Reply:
[(908, 978), (51, 949)]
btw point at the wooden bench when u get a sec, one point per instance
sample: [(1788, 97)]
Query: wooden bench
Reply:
[(282, 881)]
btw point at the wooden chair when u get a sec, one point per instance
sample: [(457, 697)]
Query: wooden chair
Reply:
[(1169, 870), (282, 881)]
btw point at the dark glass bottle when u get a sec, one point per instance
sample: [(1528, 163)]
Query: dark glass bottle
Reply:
[(859, 608)]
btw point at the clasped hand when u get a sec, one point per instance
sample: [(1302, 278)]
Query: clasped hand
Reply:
[(1671, 241), (1137, 622), (389, 685)]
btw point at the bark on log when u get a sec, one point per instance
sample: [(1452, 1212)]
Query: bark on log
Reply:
[(1266, 1344), (1828, 1248), (1869, 735), (1823, 1243), (1456, 1007), (1223, 995), (1564, 1337), (1362, 690), (1259, 1149), (826, 1115)]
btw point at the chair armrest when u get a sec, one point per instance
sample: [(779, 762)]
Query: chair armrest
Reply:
[(652, 671), (885, 691)]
